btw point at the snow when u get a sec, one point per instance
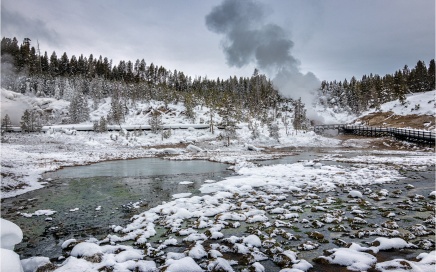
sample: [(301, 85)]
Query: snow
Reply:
[(425, 100), (390, 243), (252, 240), (10, 235), (32, 264), (352, 259), (85, 249), (39, 213), (181, 195), (13, 261), (355, 194), (26, 157), (186, 264)]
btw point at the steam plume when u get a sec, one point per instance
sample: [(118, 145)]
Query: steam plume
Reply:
[(247, 38)]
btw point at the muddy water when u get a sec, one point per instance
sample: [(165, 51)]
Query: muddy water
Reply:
[(89, 199)]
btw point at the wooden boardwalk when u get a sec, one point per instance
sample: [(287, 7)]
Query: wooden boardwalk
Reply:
[(411, 135)]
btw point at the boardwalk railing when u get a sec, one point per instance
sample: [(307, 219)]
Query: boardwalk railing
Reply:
[(411, 135)]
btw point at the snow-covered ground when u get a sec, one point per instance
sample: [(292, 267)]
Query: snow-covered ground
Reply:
[(257, 196), (24, 157), (418, 103), (268, 198)]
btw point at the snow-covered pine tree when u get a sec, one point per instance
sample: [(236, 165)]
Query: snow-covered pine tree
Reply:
[(189, 107), (78, 110), (273, 129), (57, 89), (68, 91), (299, 122), (96, 126), (155, 121), (6, 123), (30, 121), (103, 124), (229, 114)]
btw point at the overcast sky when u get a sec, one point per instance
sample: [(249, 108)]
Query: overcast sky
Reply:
[(333, 39)]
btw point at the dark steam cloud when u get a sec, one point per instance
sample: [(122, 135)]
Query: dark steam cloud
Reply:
[(247, 38)]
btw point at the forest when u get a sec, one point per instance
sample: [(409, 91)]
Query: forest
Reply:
[(81, 79)]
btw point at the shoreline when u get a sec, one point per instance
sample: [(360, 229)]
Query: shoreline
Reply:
[(25, 158)]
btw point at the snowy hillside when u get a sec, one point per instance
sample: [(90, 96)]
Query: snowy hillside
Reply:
[(417, 103)]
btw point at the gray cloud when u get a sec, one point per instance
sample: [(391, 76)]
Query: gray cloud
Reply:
[(14, 24), (247, 38)]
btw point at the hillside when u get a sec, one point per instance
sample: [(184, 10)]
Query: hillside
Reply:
[(417, 112)]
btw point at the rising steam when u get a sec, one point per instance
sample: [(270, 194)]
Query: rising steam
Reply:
[(247, 38)]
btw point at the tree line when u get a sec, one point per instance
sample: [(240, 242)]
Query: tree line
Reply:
[(77, 79), (82, 79), (357, 96)]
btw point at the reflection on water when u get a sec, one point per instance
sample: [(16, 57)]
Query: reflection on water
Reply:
[(138, 168), (120, 188)]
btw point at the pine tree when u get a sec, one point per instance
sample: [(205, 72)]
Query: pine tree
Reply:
[(273, 130), (30, 121), (155, 122), (431, 76), (6, 123), (78, 110), (229, 114), (189, 107), (300, 119), (96, 126), (103, 124), (25, 122)]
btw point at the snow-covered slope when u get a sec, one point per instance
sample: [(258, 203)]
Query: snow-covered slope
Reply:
[(417, 103)]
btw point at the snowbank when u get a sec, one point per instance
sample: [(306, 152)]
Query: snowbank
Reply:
[(10, 235)]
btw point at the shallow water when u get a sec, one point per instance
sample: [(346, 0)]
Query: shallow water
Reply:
[(120, 188), (125, 188)]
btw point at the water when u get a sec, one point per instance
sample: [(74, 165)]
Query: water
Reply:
[(120, 188), (125, 188)]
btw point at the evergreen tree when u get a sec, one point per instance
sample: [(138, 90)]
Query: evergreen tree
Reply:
[(30, 121), (431, 76), (273, 129), (155, 121), (6, 123), (25, 122), (300, 119), (103, 124), (78, 110), (230, 115), (189, 107), (96, 126)]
